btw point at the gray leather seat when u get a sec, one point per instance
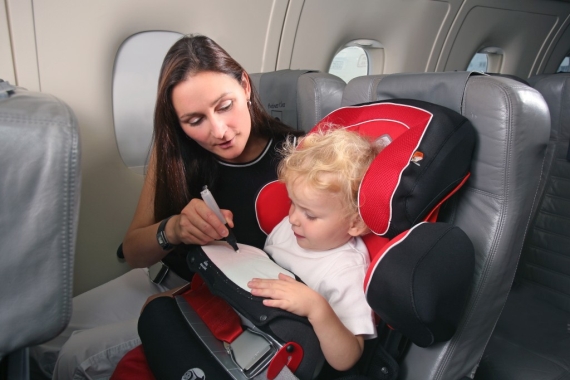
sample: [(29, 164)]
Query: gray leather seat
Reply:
[(39, 203), (493, 208), (299, 98), (532, 337)]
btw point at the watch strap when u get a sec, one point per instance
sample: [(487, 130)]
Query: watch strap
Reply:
[(161, 235)]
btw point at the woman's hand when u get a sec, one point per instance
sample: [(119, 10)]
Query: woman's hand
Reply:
[(288, 294), (197, 224)]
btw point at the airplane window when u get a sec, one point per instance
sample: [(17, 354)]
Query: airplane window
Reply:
[(564, 66), (135, 77), (478, 63), (489, 59), (350, 62)]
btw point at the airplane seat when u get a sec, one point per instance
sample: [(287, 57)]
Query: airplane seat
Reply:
[(510, 76), (493, 208), (299, 98), (40, 185), (532, 337)]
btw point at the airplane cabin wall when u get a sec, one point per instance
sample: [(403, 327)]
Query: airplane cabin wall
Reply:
[(523, 30), (433, 35), (560, 48), (408, 31), (6, 59), (67, 48)]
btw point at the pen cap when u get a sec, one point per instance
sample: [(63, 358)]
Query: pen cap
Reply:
[(211, 202)]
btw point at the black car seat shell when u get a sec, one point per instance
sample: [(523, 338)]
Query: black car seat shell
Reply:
[(532, 337), (493, 208)]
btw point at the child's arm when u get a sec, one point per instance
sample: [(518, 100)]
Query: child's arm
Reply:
[(341, 348)]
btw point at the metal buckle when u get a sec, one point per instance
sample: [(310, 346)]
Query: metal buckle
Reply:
[(252, 351), (158, 272)]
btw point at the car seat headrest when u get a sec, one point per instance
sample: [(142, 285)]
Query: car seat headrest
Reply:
[(427, 155), (419, 285)]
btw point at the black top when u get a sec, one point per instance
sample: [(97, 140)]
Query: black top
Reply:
[(236, 190)]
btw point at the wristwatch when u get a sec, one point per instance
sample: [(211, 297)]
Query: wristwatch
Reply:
[(161, 236)]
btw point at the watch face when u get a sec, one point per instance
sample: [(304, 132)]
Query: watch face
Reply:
[(162, 241)]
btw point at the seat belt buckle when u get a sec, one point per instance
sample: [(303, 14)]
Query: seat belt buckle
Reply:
[(252, 351), (157, 272)]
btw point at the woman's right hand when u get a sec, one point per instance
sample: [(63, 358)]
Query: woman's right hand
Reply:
[(197, 224)]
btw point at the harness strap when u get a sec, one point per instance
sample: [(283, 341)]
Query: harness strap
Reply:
[(221, 318)]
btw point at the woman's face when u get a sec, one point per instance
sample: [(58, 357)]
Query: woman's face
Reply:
[(212, 110)]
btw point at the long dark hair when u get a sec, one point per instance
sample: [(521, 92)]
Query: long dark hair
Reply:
[(183, 166)]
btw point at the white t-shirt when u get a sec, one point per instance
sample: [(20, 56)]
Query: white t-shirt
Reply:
[(336, 274)]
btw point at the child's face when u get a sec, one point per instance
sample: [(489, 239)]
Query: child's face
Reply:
[(318, 218)]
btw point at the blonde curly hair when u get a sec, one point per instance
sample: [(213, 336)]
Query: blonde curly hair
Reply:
[(332, 160)]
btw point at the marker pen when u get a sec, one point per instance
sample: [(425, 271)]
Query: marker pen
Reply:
[(211, 202)]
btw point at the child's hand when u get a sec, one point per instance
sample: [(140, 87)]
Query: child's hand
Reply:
[(288, 294)]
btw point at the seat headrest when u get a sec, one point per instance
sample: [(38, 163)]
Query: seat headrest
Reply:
[(445, 89), (428, 154), (299, 98), (555, 88), (420, 283)]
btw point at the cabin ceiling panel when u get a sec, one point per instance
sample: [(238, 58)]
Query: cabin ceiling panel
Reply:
[(407, 30), (76, 46)]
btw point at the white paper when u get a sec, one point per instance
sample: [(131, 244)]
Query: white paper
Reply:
[(241, 267)]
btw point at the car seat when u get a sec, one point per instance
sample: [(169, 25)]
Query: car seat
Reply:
[(40, 183), (532, 340), (493, 208)]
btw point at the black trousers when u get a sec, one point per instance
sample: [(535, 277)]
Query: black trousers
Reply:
[(171, 347)]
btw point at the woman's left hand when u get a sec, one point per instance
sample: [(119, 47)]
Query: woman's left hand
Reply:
[(288, 294)]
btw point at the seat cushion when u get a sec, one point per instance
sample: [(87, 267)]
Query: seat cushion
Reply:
[(531, 341)]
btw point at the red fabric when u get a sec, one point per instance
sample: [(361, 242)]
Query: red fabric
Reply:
[(133, 366), (221, 318), (374, 244), (405, 125), (272, 205)]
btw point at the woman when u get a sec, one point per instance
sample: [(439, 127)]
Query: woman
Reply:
[(209, 129)]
